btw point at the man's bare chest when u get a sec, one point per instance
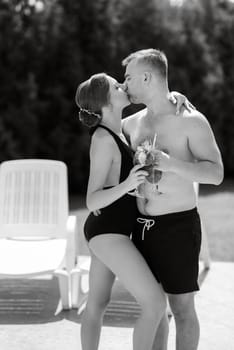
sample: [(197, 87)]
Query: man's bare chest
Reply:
[(169, 140)]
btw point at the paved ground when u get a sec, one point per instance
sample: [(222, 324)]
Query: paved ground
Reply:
[(215, 305), (30, 320)]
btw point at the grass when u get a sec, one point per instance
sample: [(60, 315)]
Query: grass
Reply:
[(216, 206)]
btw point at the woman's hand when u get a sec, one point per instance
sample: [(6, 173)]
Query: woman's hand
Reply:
[(135, 178), (181, 101)]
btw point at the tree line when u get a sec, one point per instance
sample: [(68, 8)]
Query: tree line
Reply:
[(47, 47)]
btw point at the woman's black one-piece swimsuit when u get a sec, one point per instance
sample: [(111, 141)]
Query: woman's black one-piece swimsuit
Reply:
[(118, 217)]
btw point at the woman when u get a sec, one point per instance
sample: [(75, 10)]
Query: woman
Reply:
[(112, 176)]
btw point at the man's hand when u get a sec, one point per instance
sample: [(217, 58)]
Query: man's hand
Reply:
[(180, 101)]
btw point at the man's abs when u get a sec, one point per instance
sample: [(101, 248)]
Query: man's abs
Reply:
[(174, 194)]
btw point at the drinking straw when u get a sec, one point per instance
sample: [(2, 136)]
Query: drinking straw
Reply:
[(154, 141)]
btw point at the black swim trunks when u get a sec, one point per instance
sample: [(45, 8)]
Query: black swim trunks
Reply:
[(171, 244), (118, 217)]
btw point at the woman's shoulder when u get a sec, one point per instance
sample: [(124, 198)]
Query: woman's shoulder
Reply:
[(102, 143), (102, 137)]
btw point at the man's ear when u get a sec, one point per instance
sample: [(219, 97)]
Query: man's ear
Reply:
[(147, 77)]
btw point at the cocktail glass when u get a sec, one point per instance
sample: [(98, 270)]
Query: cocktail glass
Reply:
[(146, 155)]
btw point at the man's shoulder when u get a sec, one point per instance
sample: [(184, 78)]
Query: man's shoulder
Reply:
[(194, 122), (129, 121), (135, 116), (193, 117)]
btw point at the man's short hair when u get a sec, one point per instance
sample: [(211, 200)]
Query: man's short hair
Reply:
[(156, 59)]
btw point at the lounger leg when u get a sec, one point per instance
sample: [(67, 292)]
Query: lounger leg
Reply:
[(78, 297), (64, 282)]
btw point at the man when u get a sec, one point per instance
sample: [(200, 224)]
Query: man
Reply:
[(168, 231)]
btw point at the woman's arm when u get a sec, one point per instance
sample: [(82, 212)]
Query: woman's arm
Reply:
[(181, 101), (101, 159)]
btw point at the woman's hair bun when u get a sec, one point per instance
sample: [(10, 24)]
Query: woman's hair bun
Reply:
[(88, 118)]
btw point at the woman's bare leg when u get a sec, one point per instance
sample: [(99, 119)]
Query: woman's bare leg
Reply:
[(120, 255), (161, 338), (101, 280)]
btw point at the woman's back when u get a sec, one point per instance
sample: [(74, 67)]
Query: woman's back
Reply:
[(110, 154), (114, 149)]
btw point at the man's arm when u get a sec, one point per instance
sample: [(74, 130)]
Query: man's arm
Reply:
[(207, 166)]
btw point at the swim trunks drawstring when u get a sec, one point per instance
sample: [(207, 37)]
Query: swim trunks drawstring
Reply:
[(148, 223)]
